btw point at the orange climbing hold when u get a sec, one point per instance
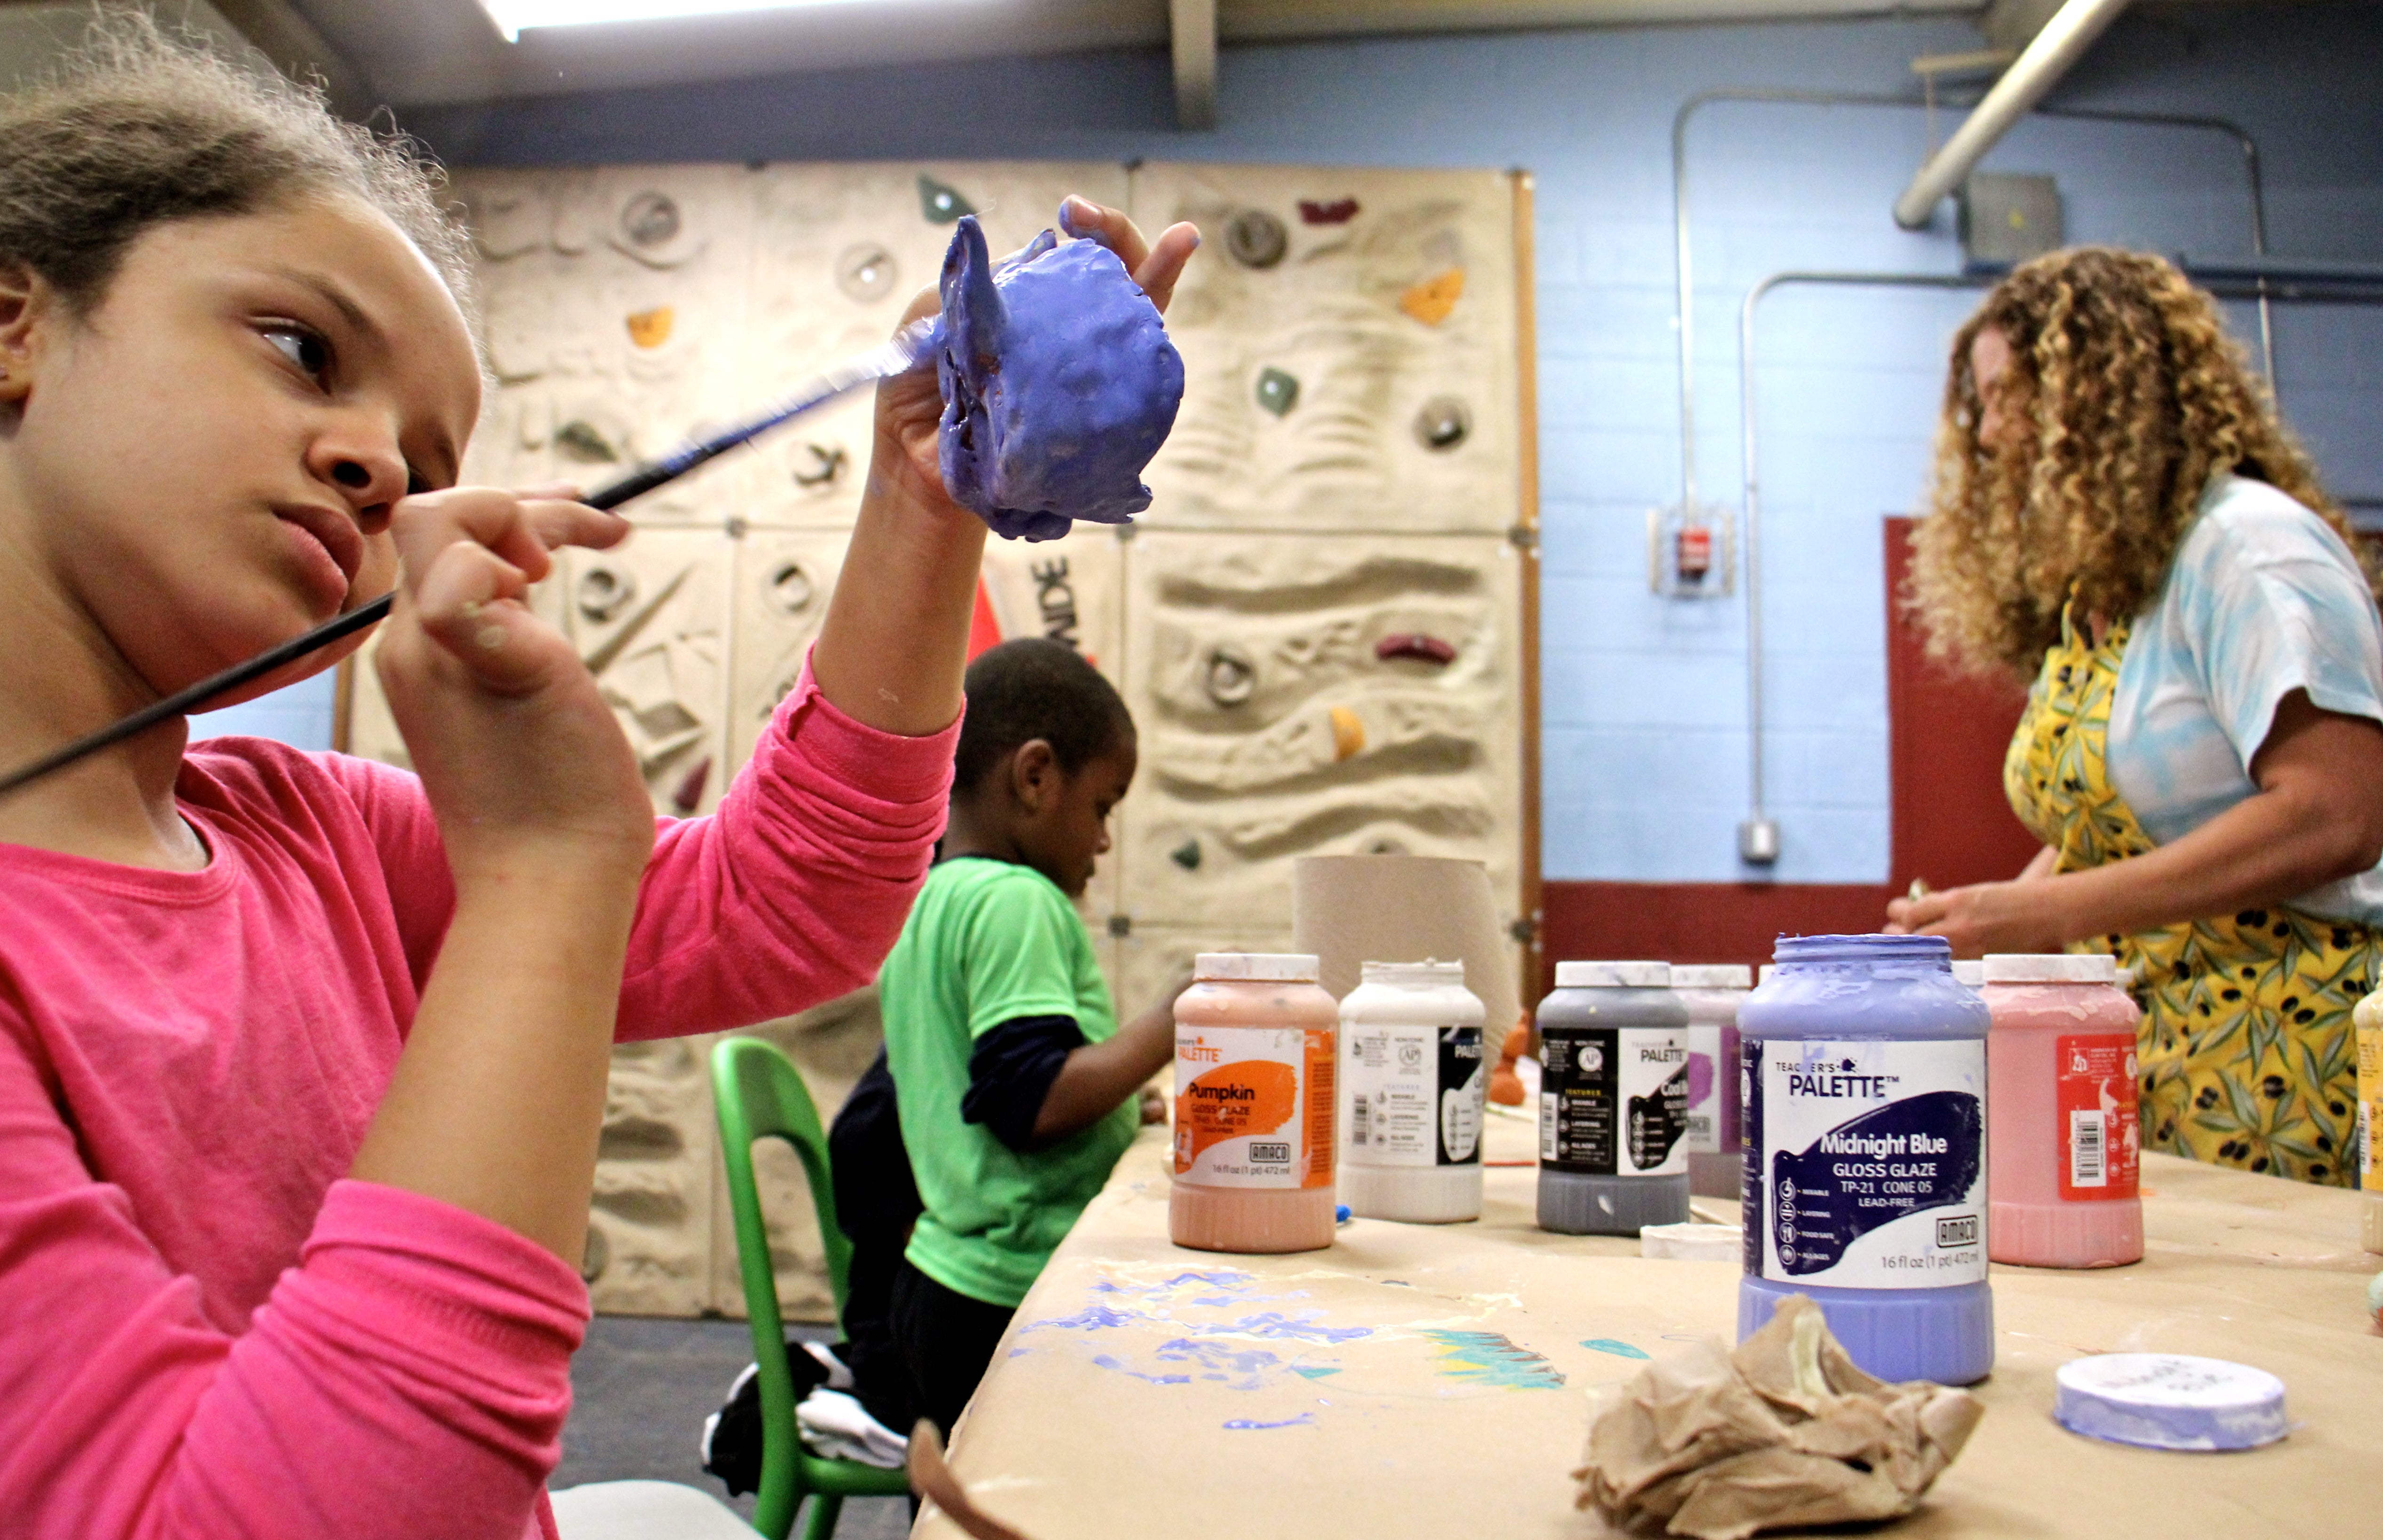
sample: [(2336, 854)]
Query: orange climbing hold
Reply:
[(651, 329), (1430, 301), (1348, 733)]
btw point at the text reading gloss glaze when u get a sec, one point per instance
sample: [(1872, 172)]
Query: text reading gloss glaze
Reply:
[(1254, 1094), (1863, 1075)]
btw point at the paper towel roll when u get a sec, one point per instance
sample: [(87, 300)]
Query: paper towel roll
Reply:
[(1351, 911)]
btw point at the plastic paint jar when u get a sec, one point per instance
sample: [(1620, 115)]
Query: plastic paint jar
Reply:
[(2062, 1121), (1252, 1106), (2367, 1020), (1613, 1099), (1412, 1087), (1711, 993), (1863, 1076)]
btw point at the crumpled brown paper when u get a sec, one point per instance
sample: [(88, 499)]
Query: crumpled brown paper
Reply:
[(1783, 1432)]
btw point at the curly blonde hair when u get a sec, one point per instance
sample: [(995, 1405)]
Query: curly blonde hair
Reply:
[(2126, 395)]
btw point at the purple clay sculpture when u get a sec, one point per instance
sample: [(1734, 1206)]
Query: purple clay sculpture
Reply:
[(1058, 382)]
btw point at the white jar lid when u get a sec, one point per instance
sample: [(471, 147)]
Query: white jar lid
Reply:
[(1711, 975), (1969, 971), (1286, 968), (2050, 968), (1766, 972), (1610, 975), (2169, 1401), (1430, 970)]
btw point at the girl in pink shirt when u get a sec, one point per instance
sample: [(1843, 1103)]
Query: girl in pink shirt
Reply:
[(303, 1059)]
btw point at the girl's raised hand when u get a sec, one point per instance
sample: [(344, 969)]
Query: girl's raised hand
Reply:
[(520, 757), (909, 406)]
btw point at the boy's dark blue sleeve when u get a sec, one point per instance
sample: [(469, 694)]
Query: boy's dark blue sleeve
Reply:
[(1010, 1071)]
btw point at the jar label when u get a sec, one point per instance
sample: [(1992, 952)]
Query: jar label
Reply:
[(1705, 1070), (1613, 1100), (1414, 1093), (2370, 1101), (2101, 1138), (1254, 1106), (1866, 1163)]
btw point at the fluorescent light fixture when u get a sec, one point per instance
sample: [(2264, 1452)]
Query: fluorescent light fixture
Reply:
[(515, 17)]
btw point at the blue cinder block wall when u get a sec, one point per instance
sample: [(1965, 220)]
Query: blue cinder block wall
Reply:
[(1645, 709)]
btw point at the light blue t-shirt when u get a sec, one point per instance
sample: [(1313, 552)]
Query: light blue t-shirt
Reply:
[(2263, 599)]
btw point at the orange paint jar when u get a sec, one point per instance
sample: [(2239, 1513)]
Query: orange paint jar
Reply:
[(1253, 1091)]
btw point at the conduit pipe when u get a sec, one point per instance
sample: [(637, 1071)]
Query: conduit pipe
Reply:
[(1759, 835), (2038, 69)]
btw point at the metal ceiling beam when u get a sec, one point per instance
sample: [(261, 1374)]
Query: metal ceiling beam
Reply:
[(1193, 27), (2038, 69)]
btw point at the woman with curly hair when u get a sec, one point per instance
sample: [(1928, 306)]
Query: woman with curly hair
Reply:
[(2118, 514)]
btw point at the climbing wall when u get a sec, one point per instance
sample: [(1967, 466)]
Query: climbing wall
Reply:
[(1341, 672)]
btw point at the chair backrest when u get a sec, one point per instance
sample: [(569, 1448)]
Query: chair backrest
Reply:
[(759, 1095)]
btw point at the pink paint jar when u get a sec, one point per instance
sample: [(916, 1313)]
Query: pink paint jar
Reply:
[(2064, 1140), (1254, 1100)]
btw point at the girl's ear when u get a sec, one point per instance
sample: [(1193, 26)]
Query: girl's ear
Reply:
[(1034, 774), (24, 300)]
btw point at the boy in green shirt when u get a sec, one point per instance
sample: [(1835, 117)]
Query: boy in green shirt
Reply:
[(1016, 1084)]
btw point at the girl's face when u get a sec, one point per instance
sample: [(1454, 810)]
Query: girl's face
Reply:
[(1990, 360), (206, 464)]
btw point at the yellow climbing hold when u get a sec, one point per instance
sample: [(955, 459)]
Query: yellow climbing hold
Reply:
[(1348, 733), (1430, 301), (650, 328)]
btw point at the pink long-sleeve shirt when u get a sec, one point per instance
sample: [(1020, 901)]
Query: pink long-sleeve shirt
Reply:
[(207, 1331)]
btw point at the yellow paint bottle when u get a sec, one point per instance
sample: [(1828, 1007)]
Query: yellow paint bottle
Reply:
[(2368, 1020)]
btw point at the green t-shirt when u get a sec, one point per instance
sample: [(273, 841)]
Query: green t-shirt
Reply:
[(988, 942)]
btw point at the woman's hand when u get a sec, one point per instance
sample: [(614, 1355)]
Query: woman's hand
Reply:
[(1988, 917), (518, 753)]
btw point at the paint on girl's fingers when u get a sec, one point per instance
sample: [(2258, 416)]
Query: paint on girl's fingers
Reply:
[(1242, 1425), (1610, 1345), (1493, 1359)]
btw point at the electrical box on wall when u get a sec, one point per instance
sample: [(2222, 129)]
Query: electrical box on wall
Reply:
[(1691, 551), (2007, 219)]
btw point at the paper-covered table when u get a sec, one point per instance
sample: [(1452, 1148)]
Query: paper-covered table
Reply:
[(1431, 1380)]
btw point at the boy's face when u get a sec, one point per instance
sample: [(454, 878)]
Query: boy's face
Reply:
[(207, 462), (1065, 829)]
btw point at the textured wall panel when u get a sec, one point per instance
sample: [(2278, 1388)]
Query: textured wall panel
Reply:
[(1337, 325)]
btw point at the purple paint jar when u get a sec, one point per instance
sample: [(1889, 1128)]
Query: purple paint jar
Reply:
[(1863, 1084), (1712, 993)]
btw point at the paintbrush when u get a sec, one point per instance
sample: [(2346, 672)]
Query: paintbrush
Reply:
[(900, 354)]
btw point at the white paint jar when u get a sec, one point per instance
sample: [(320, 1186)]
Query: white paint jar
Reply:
[(1413, 1082)]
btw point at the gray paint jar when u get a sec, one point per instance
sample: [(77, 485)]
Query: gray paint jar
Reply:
[(1613, 1148)]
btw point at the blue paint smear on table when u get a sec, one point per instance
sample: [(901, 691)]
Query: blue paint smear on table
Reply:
[(1490, 1357), (1304, 1420), (1106, 1362), (1301, 1327), (1312, 1372), (1610, 1345)]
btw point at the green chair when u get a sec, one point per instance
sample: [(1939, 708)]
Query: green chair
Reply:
[(759, 1095)]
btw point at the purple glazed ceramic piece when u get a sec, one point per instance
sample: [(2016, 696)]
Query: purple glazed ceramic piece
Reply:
[(1058, 383)]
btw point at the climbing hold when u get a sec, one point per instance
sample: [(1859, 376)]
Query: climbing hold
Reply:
[(1186, 854), (1278, 393), (1232, 678), (579, 439), (651, 329), (1058, 382), (595, 1255), (828, 464), (1348, 735), (1337, 212), (1255, 239), (1442, 423), (788, 590), (603, 593), (1430, 301), (865, 272), (649, 219), (940, 205), (688, 796), (1416, 644)]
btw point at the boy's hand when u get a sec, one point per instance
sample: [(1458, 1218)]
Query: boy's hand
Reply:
[(909, 406), (522, 762)]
